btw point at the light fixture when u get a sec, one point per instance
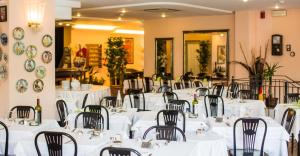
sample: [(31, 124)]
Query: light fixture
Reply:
[(276, 6), (163, 15), (60, 23), (35, 12), (94, 27), (120, 18), (245, 0), (222, 35), (123, 11), (78, 14), (123, 31), (68, 24)]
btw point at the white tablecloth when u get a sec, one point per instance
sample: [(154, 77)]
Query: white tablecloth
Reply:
[(20, 132), (74, 98), (280, 108), (275, 142), (84, 143), (155, 101)]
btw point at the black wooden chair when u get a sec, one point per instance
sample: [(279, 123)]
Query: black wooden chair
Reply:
[(22, 111), (165, 133), (171, 118), (108, 101), (90, 120), (115, 151), (165, 81), (98, 109), (137, 99), (178, 85), (293, 97), (212, 102), (202, 91), (249, 127), (197, 84), (63, 112), (148, 84), (164, 88), (180, 105), (6, 138), (218, 89), (287, 122), (84, 100), (169, 96), (233, 89), (245, 94), (55, 141)]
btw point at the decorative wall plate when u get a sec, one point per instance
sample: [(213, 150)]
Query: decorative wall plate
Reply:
[(3, 72), (19, 48), (47, 40), (38, 86), (5, 58), (18, 33), (29, 65), (40, 72), (1, 55), (22, 85), (31, 51), (47, 57), (4, 39)]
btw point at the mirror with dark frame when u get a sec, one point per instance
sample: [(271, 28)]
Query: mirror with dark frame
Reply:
[(206, 53), (164, 57)]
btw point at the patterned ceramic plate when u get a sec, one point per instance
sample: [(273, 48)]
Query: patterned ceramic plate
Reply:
[(40, 72), (4, 39), (47, 57), (38, 86), (5, 58), (22, 85), (19, 48), (29, 65), (3, 72), (18, 33), (31, 51), (47, 41)]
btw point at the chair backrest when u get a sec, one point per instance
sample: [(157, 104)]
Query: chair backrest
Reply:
[(187, 83), (212, 103), (22, 111), (55, 142), (148, 84), (98, 109), (62, 110), (115, 151), (233, 89), (165, 133), (249, 127), (84, 100), (169, 96), (180, 105), (292, 97), (202, 91), (218, 89), (6, 137), (178, 85), (171, 118), (164, 88), (288, 119), (197, 84), (245, 94), (108, 101), (137, 99), (90, 120)]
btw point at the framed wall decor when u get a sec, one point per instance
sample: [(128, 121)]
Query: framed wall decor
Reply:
[(3, 13), (94, 55), (221, 54), (129, 46)]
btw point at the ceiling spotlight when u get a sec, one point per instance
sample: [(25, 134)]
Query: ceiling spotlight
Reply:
[(78, 14), (276, 6), (60, 23), (123, 11), (163, 15), (222, 35), (68, 24), (119, 18), (245, 0)]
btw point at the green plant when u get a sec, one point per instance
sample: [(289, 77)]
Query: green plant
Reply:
[(269, 72), (203, 56), (116, 59)]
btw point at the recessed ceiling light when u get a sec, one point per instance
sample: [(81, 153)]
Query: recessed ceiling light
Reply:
[(123, 11), (123, 31), (163, 15), (68, 24), (276, 6), (119, 18), (245, 0), (222, 35), (78, 14), (60, 23), (94, 27)]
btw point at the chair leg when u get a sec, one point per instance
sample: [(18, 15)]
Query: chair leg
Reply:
[(292, 143)]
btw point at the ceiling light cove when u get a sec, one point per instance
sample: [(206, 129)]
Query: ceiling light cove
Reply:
[(163, 15), (123, 31), (94, 27)]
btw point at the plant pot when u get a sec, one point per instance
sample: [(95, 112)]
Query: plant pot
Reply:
[(271, 102)]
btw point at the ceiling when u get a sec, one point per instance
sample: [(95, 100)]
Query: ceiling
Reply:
[(111, 9)]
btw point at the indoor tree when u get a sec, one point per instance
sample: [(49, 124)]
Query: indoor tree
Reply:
[(203, 56)]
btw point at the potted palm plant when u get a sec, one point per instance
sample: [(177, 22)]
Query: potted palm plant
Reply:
[(116, 62), (269, 72)]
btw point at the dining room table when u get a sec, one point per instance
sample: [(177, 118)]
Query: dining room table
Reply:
[(19, 130)]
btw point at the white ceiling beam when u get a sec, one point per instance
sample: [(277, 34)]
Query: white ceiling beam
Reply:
[(68, 3), (63, 9)]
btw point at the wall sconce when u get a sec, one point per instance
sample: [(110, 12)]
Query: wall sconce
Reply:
[(35, 13)]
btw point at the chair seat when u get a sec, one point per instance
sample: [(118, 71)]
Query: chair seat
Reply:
[(240, 152)]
